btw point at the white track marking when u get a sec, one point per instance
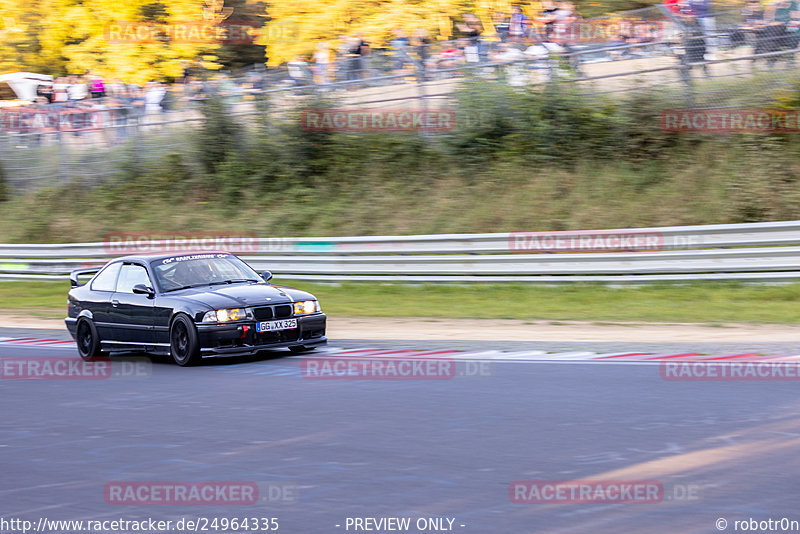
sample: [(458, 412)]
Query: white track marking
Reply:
[(583, 355), (538, 356)]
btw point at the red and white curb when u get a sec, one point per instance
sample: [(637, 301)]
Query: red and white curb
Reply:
[(542, 356), (484, 355)]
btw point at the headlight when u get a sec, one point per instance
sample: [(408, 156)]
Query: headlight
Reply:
[(223, 316), (304, 307)]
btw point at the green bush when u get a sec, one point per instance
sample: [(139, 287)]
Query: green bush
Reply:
[(534, 158), (3, 186), (218, 135)]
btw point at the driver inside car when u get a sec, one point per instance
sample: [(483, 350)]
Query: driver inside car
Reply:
[(192, 272)]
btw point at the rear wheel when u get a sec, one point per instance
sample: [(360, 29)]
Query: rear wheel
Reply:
[(184, 345), (87, 340)]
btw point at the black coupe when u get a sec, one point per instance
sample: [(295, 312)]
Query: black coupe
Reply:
[(189, 306)]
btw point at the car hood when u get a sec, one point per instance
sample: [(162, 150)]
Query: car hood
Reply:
[(234, 295)]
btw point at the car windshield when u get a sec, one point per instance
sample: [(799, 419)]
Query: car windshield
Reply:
[(181, 272)]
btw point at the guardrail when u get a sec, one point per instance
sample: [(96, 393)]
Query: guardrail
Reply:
[(753, 252)]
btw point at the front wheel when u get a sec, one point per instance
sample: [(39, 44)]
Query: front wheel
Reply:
[(184, 345), (88, 341)]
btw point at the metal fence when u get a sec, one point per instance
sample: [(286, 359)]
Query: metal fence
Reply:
[(763, 252)]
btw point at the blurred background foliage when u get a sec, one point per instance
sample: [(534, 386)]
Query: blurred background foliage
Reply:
[(517, 160), (71, 36)]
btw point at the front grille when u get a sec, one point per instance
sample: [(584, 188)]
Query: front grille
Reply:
[(283, 311), (265, 313)]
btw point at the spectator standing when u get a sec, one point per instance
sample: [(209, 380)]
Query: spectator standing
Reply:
[(256, 79), (343, 58), (359, 50), (565, 14), (226, 89), (514, 73), (400, 44), (60, 90), (97, 87), (753, 13), (519, 24), (702, 10), (786, 12), (136, 99), (154, 94), (548, 18), (694, 40), (752, 20), (421, 43), (472, 29), (44, 94), (322, 63), (501, 22), (77, 89), (782, 36), (298, 71)]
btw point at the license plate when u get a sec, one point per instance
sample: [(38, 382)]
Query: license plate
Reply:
[(272, 326)]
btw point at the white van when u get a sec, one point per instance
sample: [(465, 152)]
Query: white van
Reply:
[(19, 88)]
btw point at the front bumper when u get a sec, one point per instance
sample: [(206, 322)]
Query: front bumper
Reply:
[(241, 337)]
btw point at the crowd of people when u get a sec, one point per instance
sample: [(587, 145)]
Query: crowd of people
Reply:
[(90, 91), (351, 59), (514, 36), (93, 92), (770, 29)]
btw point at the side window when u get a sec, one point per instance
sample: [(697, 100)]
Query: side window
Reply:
[(106, 280), (130, 275)]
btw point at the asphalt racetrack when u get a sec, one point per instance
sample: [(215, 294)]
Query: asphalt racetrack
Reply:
[(471, 449)]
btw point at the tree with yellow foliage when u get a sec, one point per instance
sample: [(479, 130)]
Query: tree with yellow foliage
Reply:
[(71, 37), (296, 26)]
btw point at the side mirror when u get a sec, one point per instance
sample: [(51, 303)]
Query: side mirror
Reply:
[(267, 276), (141, 289)]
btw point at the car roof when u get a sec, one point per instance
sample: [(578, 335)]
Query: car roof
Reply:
[(183, 254)]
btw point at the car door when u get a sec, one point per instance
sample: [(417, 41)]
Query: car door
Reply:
[(98, 302), (132, 313)]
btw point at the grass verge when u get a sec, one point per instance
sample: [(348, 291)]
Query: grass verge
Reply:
[(691, 303)]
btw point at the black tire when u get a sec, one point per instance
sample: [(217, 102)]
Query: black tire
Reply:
[(88, 341), (299, 349), (183, 343)]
